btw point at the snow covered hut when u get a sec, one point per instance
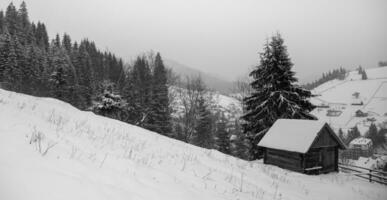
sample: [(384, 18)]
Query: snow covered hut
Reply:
[(305, 146)]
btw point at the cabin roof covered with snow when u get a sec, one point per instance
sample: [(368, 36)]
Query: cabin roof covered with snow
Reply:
[(295, 135), (360, 141)]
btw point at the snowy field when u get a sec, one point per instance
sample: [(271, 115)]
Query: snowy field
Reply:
[(338, 94), (50, 150)]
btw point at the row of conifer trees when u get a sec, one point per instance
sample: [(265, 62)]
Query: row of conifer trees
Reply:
[(90, 79)]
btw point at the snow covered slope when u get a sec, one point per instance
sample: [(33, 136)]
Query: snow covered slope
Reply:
[(50, 150), (339, 95)]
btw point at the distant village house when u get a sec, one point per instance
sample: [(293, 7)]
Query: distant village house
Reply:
[(359, 147)]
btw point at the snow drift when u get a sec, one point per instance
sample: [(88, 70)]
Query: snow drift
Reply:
[(51, 150)]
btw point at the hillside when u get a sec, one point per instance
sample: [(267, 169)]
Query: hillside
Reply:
[(211, 81), (340, 96), (92, 157)]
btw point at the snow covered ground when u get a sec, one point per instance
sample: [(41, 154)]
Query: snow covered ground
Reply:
[(50, 150), (338, 94)]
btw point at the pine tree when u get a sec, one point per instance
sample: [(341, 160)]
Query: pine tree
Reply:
[(364, 75), (352, 134), (56, 41), (41, 36), (202, 134), (381, 136), (222, 141), (275, 95), (373, 134), (2, 22), (239, 145), (25, 34), (109, 103), (63, 77), (66, 43), (160, 119), (85, 77), (10, 74), (137, 93), (11, 18)]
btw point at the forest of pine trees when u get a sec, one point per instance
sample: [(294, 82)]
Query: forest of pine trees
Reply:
[(331, 75), (60, 68), (90, 79)]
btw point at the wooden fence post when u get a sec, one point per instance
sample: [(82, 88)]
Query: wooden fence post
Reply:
[(370, 175)]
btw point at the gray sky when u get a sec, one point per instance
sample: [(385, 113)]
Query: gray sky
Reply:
[(223, 37)]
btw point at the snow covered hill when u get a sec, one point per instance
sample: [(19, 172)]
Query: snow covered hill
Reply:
[(341, 99), (50, 150)]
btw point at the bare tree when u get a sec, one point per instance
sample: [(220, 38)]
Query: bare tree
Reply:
[(189, 93), (242, 89)]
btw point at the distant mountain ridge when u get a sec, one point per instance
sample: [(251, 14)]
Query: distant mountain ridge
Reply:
[(211, 81)]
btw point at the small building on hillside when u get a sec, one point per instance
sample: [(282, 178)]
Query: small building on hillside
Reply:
[(356, 95), (356, 100), (334, 113), (360, 113), (306, 146), (359, 147)]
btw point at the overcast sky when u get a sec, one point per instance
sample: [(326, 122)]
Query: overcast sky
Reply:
[(223, 37)]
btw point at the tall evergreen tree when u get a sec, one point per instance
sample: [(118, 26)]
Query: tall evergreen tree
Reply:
[(10, 74), (137, 93), (352, 134), (222, 138), (14, 57), (276, 94), (41, 36), (62, 74), (2, 22), (160, 119), (25, 34), (85, 77), (373, 134), (202, 135), (11, 19), (66, 43)]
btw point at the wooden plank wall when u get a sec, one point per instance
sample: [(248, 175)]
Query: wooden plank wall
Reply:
[(284, 159)]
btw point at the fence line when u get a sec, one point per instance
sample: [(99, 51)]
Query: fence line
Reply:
[(371, 175)]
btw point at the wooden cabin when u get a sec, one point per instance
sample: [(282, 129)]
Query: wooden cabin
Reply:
[(360, 113), (306, 146)]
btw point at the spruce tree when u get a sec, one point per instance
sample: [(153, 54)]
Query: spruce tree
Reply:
[(373, 134), (63, 77), (85, 77), (160, 119), (11, 18), (276, 94), (66, 43), (203, 129), (2, 22), (25, 34), (137, 93), (41, 36), (352, 134), (364, 75), (222, 141), (10, 75)]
